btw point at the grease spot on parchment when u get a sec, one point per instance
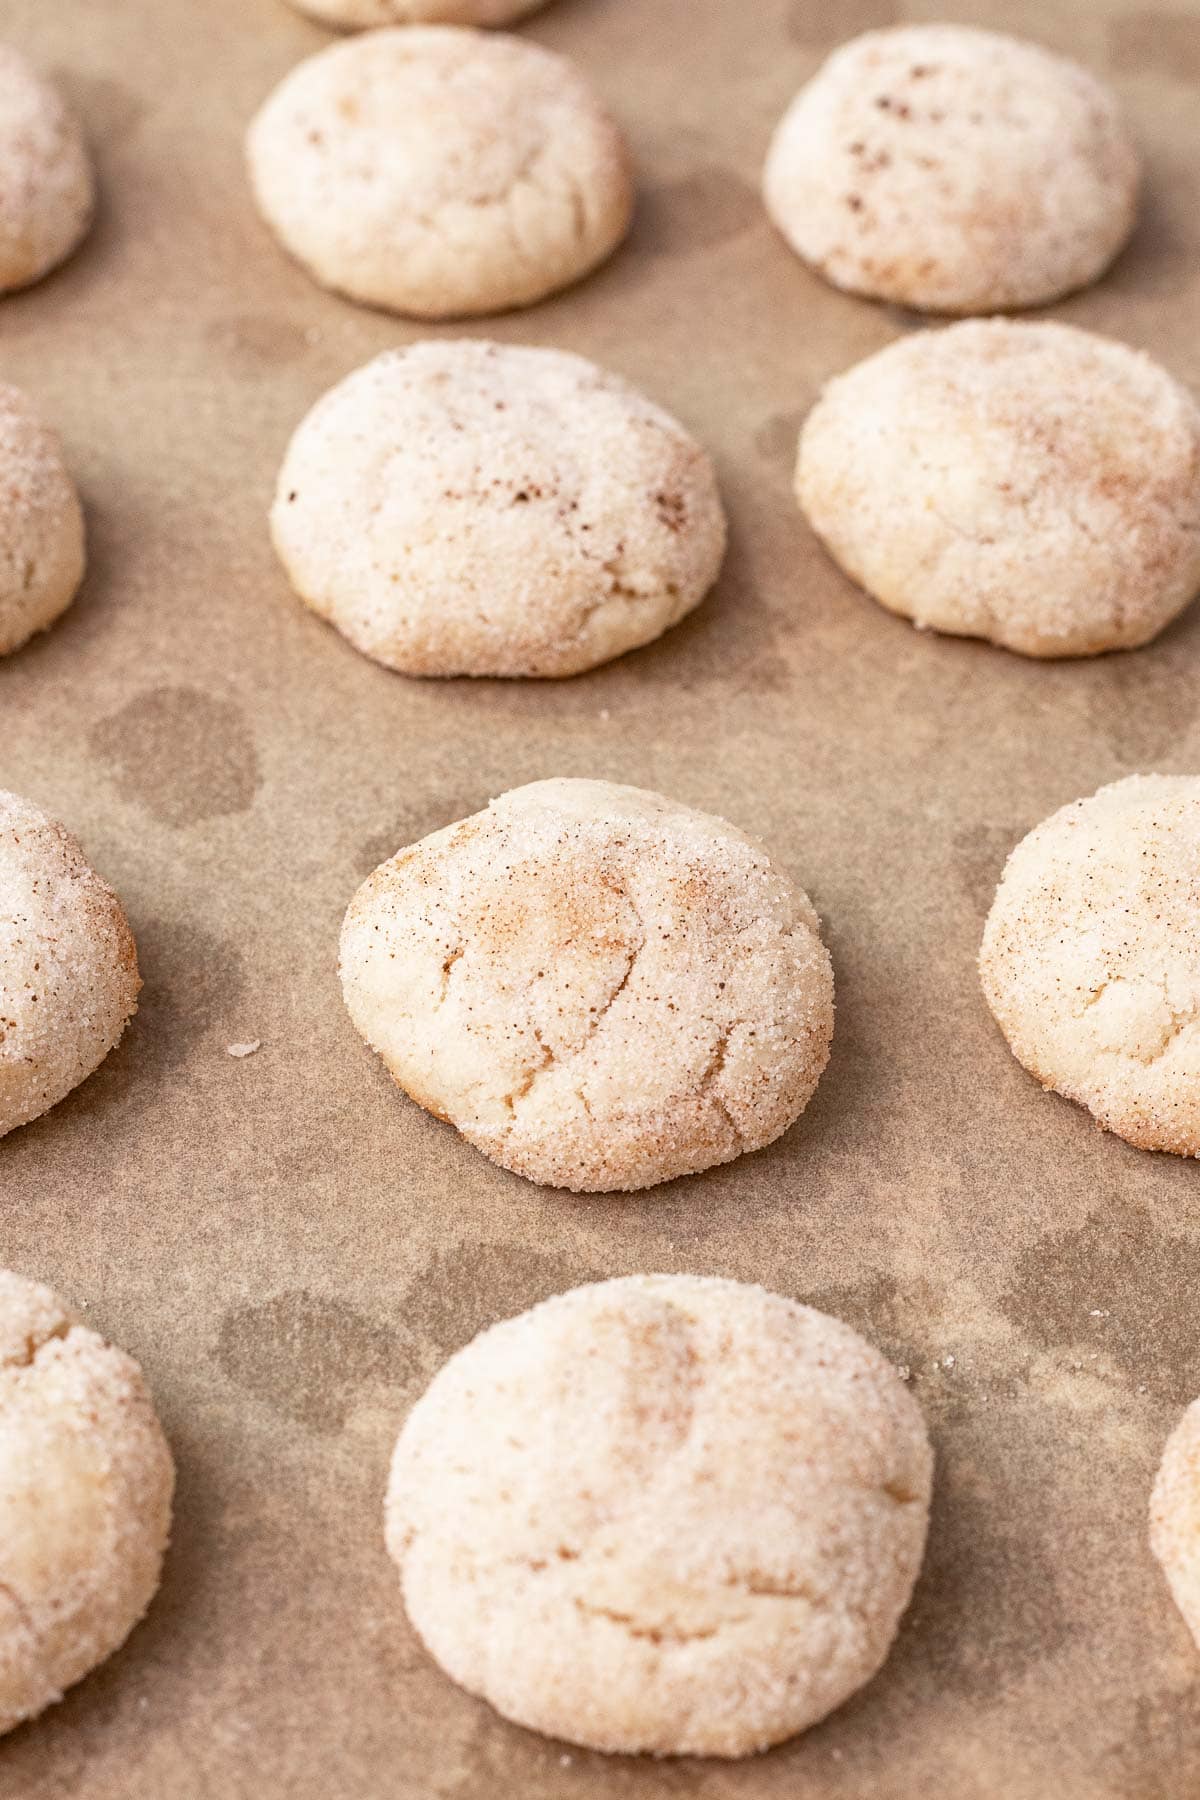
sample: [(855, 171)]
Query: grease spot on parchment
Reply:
[(1156, 43), (460, 1292), (980, 853), (1128, 1267), (1144, 704), (987, 1607), (111, 112), (258, 339), (777, 438), (816, 22), (697, 212), (305, 1356), (182, 755)]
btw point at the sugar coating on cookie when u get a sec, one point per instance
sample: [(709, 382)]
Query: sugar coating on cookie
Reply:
[(441, 172), (953, 169), (41, 524), (600, 988), (68, 966), (1175, 1517), (1028, 483), (662, 1514), (86, 1480), (465, 508), (356, 15), (1091, 957), (46, 186)]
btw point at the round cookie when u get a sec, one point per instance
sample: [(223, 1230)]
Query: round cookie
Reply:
[(1091, 957), (461, 508), (441, 172), (600, 988), (46, 188), (1028, 483), (663, 1514), (1175, 1517), (41, 524), (354, 15), (68, 966), (86, 1480), (955, 170)]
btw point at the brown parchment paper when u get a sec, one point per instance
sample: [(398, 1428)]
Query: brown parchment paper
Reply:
[(290, 1247)]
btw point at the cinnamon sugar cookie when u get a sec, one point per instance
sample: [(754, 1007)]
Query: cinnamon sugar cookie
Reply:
[(466, 508), (600, 988), (85, 1499), (41, 524), (1091, 958), (663, 1514), (441, 172), (953, 169), (1028, 483), (46, 187), (68, 967)]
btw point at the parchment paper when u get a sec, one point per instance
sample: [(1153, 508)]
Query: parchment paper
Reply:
[(290, 1247)]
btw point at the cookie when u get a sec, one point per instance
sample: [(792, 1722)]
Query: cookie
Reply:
[(46, 188), (1175, 1517), (1028, 483), (463, 508), (41, 524), (600, 988), (663, 1514), (354, 15), (955, 170), (441, 172), (1091, 958), (86, 1480), (68, 967)]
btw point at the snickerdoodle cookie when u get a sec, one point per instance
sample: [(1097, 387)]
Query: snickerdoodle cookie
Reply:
[(46, 185), (68, 967), (463, 508), (662, 1514), (600, 988), (85, 1498), (1091, 957), (953, 169), (1029, 483), (441, 172), (41, 524)]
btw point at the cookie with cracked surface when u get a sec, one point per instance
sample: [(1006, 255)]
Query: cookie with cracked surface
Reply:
[(41, 524), (441, 172), (86, 1480), (359, 15), (600, 988), (463, 508), (1091, 958), (68, 965), (954, 170), (1175, 1517), (680, 1515), (46, 190), (1028, 483)]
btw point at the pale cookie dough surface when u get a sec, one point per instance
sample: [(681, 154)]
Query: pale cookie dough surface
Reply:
[(68, 966), (46, 186), (465, 508), (441, 172), (86, 1480), (664, 1514), (41, 524), (953, 169), (600, 988), (352, 15), (1091, 957), (1175, 1517), (1028, 483)]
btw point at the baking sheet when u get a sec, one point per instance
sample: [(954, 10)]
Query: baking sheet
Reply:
[(288, 1246)]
